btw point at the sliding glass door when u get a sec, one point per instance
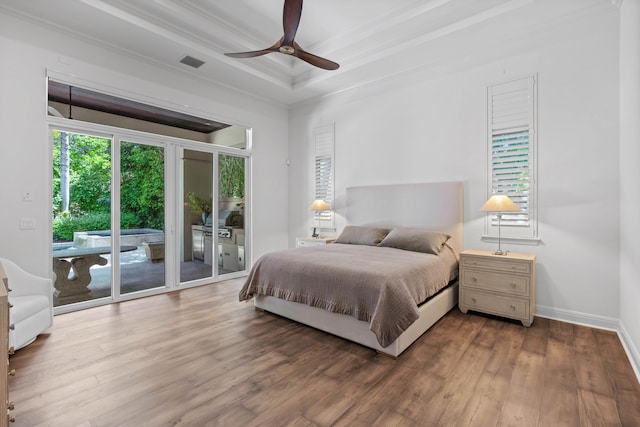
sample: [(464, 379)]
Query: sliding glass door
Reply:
[(213, 230), (134, 216), (87, 246), (197, 252), (231, 213), (142, 217), (81, 216)]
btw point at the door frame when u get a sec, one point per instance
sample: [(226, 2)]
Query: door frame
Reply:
[(173, 192)]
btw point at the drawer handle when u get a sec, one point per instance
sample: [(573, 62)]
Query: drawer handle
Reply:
[(474, 278), (513, 307), (513, 285), (513, 266), (12, 373), (474, 300)]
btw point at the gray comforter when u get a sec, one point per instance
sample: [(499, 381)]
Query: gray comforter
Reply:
[(379, 285)]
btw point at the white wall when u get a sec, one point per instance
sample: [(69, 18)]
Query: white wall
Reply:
[(28, 51), (630, 177), (433, 129), (422, 128)]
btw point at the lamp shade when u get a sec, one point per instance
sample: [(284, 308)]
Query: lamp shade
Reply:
[(319, 205), (499, 203)]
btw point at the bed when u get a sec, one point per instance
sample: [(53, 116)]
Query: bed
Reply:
[(371, 288)]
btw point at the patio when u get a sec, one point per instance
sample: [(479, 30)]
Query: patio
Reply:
[(137, 273)]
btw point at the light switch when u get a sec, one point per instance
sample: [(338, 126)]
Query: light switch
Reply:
[(27, 195)]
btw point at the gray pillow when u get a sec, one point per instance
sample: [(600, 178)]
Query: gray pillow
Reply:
[(416, 240), (361, 235)]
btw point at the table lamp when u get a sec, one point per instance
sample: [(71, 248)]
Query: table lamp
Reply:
[(318, 206), (499, 203)]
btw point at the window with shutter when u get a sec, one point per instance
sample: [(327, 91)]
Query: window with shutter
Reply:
[(323, 138), (511, 145)]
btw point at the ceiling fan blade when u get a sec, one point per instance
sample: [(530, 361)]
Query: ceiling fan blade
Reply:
[(290, 20), (254, 53), (314, 59), (249, 54)]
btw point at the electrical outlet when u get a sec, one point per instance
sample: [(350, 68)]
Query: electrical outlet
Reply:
[(27, 223)]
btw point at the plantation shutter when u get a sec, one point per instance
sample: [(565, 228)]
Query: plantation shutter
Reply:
[(511, 143), (324, 137)]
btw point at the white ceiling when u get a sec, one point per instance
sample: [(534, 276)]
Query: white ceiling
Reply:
[(372, 40)]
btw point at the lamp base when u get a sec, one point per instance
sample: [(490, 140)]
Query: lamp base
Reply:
[(500, 252)]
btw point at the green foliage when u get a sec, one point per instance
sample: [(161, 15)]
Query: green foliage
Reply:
[(142, 186), (90, 166), (65, 225), (57, 196), (142, 203), (231, 176), (90, 173), (198, 204), (142, 183)]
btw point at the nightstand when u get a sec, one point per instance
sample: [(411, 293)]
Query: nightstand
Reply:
[(504, 285), (305, 242)]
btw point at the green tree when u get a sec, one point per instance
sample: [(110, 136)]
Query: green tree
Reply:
[(64, 171), (89, 172), (231, 176), (142, 183)]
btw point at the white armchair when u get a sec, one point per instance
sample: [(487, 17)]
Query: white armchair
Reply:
[(31, 298)]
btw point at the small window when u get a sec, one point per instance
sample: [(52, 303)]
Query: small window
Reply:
[(511, 143), (323, 139)]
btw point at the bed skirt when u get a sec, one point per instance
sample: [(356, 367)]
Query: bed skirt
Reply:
[(358, 331)]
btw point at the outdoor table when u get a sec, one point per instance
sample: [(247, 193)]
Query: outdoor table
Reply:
[(81, 260)]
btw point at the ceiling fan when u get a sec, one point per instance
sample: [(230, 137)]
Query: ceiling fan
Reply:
[(287, 45)]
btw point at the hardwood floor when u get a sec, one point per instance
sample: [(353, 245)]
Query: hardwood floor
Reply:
[(201, 358)]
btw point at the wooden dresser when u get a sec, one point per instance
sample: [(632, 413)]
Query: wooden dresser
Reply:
[(504, 285), (4, 344)]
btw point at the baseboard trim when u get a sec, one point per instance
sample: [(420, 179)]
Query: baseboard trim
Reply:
[(578, 318), (630, 349), (598, 322)]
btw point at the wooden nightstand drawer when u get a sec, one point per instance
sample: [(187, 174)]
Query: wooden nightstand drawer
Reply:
[(306, 242), (502, 306), (511, 265), (505, 283)]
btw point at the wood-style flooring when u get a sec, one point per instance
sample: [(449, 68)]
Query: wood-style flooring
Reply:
[(199, 357)]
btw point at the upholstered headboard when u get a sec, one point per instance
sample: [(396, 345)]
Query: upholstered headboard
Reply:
[(434, 206)]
